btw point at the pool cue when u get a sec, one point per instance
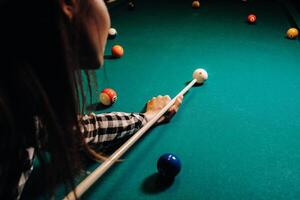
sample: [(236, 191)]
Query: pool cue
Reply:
[(98, 172), (110, 1)]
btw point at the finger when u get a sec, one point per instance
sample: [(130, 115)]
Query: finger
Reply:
[(150, 103), (178, 101), (163, 101), (168, 115), (159, 98), (163, 118), (180, 98), (174, 109), (167, 98), (176, 105)]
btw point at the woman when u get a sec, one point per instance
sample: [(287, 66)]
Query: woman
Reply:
[(44, 44)]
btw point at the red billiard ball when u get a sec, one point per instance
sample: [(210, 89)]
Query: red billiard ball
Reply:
[(117, 51), (251, 19), (108, 96)]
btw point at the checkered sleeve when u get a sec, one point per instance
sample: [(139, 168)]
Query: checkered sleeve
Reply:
[(110, 127)]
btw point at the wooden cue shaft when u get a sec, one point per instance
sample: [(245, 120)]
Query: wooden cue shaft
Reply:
[(110, 1), (98, 172)]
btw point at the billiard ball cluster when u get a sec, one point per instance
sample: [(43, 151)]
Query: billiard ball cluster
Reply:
[(292, 33), (117, 51), (169, 165), (108, 96)]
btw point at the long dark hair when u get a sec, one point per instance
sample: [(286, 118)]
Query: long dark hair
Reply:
[(39, 79)]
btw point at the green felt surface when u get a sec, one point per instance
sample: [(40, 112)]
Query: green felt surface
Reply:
[(238, 135)]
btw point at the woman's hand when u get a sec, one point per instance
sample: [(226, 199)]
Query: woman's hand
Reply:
[(156, 104)]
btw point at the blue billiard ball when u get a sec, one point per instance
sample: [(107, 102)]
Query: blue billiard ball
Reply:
[(168, 165)]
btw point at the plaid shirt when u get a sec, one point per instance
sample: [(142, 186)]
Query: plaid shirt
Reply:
[(99, 131), (107, 130)]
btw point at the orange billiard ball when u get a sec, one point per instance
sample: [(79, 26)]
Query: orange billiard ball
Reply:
[(292, 33), (117, 51), (196, 4), (251, 19), (108, 96)]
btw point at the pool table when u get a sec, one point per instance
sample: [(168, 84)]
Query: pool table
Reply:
[(237, 135)]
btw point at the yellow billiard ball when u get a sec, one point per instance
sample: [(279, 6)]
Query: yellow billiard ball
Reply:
[(292, 33), (196, 4), (108, 96)]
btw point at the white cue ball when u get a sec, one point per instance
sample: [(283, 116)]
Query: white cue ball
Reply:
[(112, 33), (200, 75)]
